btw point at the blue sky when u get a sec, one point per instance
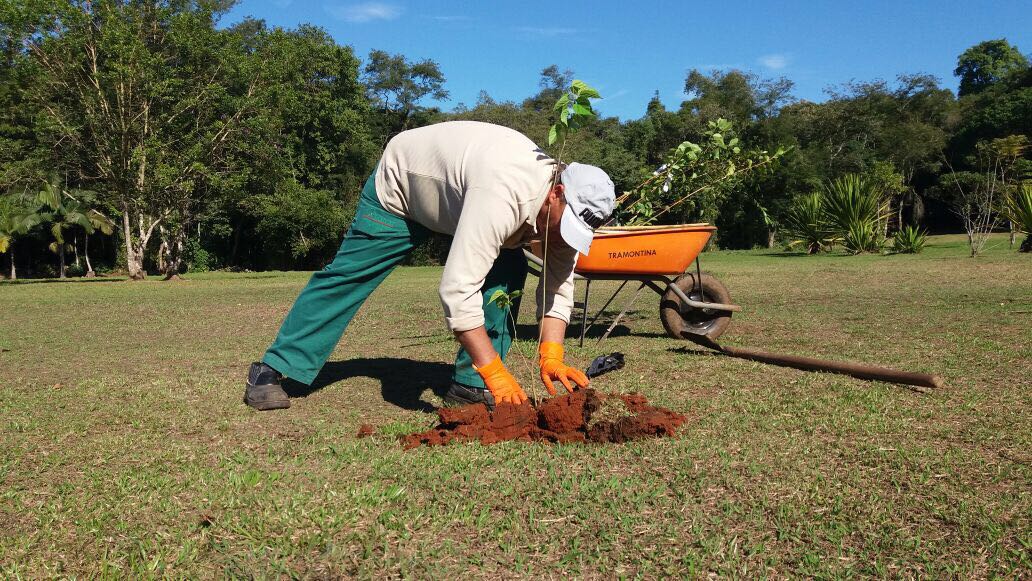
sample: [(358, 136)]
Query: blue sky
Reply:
[(629, 49)]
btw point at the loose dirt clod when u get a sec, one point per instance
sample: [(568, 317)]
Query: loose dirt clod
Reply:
[(560, 419), (366, 430)]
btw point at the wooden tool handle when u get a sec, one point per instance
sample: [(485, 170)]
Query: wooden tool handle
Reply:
[(859, 370)]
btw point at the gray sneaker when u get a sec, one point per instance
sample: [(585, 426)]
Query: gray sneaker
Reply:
[(264, 391), (459, 394)]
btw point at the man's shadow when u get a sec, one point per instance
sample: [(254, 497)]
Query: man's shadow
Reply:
[(402, 381)]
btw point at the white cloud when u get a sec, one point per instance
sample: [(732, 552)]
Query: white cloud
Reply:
[(365, 12), (449, 18), (546, 30), (774, 61)]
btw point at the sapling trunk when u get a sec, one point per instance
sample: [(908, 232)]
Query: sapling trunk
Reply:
[(513, 347)]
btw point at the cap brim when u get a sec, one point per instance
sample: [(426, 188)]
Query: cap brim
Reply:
[(575, 232)]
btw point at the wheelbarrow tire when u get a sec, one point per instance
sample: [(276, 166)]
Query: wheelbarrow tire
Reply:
[(684, 322)]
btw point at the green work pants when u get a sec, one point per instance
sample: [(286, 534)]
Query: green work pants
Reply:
[(376, 242)]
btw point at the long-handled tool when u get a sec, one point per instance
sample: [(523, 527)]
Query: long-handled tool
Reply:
[(858, 370)]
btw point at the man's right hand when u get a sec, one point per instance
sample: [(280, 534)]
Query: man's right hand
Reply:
[(502, 385)]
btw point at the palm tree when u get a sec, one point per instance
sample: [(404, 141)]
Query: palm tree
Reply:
[(67, 212), (16, 218), (98, 221)]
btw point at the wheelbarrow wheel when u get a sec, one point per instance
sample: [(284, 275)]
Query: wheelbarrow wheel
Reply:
[(684, 322)]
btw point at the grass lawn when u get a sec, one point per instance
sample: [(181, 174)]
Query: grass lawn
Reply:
[(125, 449)]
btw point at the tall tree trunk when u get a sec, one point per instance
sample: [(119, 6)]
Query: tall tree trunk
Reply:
[(162, 250), (173, 246), (133, 263), (14, 272), (61, 253), (772, 236), (75, 249), (86, 256)]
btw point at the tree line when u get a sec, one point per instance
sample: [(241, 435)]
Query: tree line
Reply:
[(144, 137)]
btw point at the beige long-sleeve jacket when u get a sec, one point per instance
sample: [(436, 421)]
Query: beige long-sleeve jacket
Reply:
[(484, 184)]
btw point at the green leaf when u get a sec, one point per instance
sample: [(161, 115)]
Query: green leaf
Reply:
[(553, 134), (499, 298), (561, 103), (589, 93), (586, 103), (579, 109), (581, 88)]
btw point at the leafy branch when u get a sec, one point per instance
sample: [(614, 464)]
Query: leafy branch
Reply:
[(574, 109), (713, 166)]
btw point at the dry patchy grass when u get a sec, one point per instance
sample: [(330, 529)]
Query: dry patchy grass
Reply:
[(125, 449)]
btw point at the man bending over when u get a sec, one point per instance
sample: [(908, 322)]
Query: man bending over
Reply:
[(495, 191)]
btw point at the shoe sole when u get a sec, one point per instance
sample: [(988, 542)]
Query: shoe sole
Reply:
[(450, 398), (265, 405)]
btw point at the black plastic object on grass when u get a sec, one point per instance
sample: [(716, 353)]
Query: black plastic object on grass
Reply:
[(605, 363)]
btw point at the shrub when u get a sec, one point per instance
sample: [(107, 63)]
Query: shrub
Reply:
[(857, 212), (909, 240), (1019, 212), (197, 258), (806, 223)]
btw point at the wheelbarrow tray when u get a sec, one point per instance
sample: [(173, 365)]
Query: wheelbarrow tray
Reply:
[(644, 250), (657, 257)]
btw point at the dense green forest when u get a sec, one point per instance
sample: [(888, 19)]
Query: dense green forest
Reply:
[(152, 138)]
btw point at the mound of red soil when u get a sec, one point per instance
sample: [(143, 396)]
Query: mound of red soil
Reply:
[(560, 419)]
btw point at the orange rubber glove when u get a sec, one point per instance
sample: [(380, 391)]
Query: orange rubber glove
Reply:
[(502, 385), (552, 368)]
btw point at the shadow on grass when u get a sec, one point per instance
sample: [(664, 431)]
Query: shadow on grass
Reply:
[(529, 332), (695, 350), (402, 381), (782, 254), (61, 280)]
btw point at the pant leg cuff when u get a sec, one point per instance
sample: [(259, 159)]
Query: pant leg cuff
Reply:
[(287, 370), (469, 380)]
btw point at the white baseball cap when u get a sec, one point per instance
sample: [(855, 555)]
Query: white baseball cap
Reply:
[(590, 199)]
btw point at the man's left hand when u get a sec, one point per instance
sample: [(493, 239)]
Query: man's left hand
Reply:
[(553, 368)]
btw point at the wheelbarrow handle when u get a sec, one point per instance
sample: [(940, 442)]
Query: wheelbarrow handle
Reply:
[(703, 305)]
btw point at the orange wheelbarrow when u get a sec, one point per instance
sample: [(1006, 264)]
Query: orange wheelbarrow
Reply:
[(693, 305)]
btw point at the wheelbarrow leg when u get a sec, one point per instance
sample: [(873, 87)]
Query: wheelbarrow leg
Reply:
[(584, 311), (602, 310), (622, 313)]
